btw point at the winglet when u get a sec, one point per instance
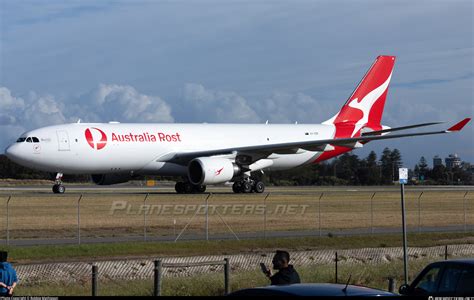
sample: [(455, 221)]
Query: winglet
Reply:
[(459, 125)]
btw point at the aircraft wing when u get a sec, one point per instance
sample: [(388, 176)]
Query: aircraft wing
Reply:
[(314, 145)]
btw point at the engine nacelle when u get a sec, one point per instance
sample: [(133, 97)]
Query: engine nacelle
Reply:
[(108, 179), (211, 170)]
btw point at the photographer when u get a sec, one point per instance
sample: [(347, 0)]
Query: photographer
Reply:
[(8, 278), (286, 273)]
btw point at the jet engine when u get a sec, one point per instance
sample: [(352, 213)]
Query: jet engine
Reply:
[(211, 170), (108, 179)]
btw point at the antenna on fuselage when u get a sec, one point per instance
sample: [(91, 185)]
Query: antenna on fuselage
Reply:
[(79, 121), (266, 123)]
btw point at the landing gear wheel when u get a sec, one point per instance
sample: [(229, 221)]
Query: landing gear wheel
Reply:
[(179, 187), (59, 189), (236, 187), (199, 189), (246, 187), (259, 187), (188, 188)]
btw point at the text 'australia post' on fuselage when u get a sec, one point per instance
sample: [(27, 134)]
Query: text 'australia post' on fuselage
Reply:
[(203, 154)]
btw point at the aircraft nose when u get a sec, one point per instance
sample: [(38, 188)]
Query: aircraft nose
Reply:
[(12, 152)]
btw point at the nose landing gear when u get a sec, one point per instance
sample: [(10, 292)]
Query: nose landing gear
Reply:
[(58, 187)]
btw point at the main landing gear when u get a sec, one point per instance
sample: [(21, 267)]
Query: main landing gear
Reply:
[(248, 185), (189, 188), (58, 187)]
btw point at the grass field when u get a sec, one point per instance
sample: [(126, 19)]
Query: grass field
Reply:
[(43, 215), (90, 252)]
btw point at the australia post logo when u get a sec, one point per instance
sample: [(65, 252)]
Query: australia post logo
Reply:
[(96, 138)]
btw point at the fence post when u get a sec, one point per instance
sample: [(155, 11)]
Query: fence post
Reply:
[(95, 274), (319, 214), (336, 269), (446, 252), (372, 213), (157, 281), (8, 220), (265, 216), (419, 212), (207, 216), (227, 276), (465, 211), (79, 220), (144, 217), (391, 284)]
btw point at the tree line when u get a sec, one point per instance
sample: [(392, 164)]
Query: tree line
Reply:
[(347, 169)]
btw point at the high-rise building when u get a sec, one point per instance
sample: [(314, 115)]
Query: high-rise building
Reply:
[(437, 161), (452, 161)]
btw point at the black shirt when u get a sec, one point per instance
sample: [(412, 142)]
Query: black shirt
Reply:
[(285, 276)]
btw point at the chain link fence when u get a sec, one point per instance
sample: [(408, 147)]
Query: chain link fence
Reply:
[(221, 274), (56, 219)]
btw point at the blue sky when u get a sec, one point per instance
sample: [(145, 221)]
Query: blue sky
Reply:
[(235, 61)]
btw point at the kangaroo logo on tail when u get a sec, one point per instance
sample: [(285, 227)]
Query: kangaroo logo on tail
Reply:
[(365, 105)]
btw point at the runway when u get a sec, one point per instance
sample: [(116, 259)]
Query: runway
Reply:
[(169, 188)]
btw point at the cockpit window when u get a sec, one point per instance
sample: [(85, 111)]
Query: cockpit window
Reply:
[(32, 139)]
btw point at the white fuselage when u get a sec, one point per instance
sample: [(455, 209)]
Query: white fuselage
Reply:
[(145, 148)]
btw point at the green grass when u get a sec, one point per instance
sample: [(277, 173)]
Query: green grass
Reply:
[(191, 248), (372, 275)]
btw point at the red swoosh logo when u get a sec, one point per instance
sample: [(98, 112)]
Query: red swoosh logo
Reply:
[(218, 172)]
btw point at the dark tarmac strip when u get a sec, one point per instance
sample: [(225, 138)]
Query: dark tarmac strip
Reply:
[(169, 189)]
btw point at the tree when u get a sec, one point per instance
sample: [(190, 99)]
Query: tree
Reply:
[(396, 158), (422, 167), (373, 170), (386, 165)]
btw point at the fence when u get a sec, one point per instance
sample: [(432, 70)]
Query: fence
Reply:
[(44, 218), (202, 275), (157, 274)]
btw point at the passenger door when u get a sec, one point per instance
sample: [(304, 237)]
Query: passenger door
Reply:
[(63, 140)]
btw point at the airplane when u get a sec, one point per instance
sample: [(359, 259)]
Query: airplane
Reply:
[(204, 154)]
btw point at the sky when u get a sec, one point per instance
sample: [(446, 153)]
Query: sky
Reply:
[(236, 62)]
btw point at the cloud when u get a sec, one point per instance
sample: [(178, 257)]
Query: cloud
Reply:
[(9, 105), (34, 111), (208, 105), (123, 103), (105, 103), (283, 107)]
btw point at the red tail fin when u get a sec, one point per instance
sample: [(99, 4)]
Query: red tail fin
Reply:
[(365, 106)]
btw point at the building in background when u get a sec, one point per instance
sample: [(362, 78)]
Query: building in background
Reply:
[(437, 161), (452, 161)]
